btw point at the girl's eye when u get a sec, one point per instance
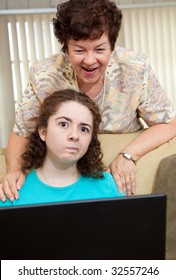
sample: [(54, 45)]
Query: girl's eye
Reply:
[(84, 129), (63, 124)]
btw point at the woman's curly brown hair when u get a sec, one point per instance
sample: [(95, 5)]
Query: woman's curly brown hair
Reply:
[(83, 19), (91, 163)]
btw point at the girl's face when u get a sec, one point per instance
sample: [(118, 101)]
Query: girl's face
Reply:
[(89, 58), (68, 133)]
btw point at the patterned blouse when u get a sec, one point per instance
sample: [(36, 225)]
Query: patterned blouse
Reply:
[(132, 91)]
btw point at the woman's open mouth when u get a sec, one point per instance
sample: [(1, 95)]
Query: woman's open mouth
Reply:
[(89, 71)]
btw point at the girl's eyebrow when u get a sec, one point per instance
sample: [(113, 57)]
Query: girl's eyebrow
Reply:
[(63, 117), (86, 124), (70, 120)]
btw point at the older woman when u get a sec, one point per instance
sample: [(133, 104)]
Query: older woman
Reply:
[(120, 81)]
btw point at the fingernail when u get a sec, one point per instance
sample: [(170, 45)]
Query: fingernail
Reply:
[(16, 196), (3, 199), (18, 187), (11, 198)]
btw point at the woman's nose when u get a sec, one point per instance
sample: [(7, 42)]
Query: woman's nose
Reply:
[(89, 58)]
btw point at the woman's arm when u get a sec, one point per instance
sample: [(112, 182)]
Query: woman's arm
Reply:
[(123, 170), (151, 138), (14, 179)]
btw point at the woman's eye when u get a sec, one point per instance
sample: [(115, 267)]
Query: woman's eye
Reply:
[(63, 124), (100, 50), (79, 51)]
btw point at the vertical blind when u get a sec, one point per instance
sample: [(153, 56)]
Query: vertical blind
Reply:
[(27, 38), (152, 31), (31, 39)]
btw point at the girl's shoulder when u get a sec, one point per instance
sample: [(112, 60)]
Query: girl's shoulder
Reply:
[(108, 176)]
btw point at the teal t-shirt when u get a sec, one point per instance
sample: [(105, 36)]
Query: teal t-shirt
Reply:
[(34, 191)]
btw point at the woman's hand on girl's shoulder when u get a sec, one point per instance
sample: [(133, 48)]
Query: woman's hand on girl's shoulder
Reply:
[(11, 184)]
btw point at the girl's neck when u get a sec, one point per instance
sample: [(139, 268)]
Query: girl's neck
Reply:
[(58, 177)]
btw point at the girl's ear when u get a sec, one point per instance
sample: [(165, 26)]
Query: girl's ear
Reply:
[(42, 133)]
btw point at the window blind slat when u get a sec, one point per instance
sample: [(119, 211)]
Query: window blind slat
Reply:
[(24, 66), (47, 35), (143, 30), (39, 42), (7, 113), (16, 62), (31, 37)]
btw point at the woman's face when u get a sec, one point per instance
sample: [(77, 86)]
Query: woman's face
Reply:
[(68, 133), (89, 58)]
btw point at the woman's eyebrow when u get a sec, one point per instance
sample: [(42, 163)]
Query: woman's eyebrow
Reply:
[(82, 47), (100, 45)]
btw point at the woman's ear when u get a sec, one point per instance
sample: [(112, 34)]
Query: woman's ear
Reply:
[(42, 133)]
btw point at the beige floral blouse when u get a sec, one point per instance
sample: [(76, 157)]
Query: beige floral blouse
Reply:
[(132, 91)]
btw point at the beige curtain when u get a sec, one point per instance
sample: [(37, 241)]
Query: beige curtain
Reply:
[(28, 37)]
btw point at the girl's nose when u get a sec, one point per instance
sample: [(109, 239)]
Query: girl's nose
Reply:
[(73, 135)]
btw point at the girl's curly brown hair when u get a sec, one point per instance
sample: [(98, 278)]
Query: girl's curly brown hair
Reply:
[(91, 163), (83, 19)]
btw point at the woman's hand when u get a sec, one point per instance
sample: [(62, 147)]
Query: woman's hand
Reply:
[(123, 171), (11, 183)]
